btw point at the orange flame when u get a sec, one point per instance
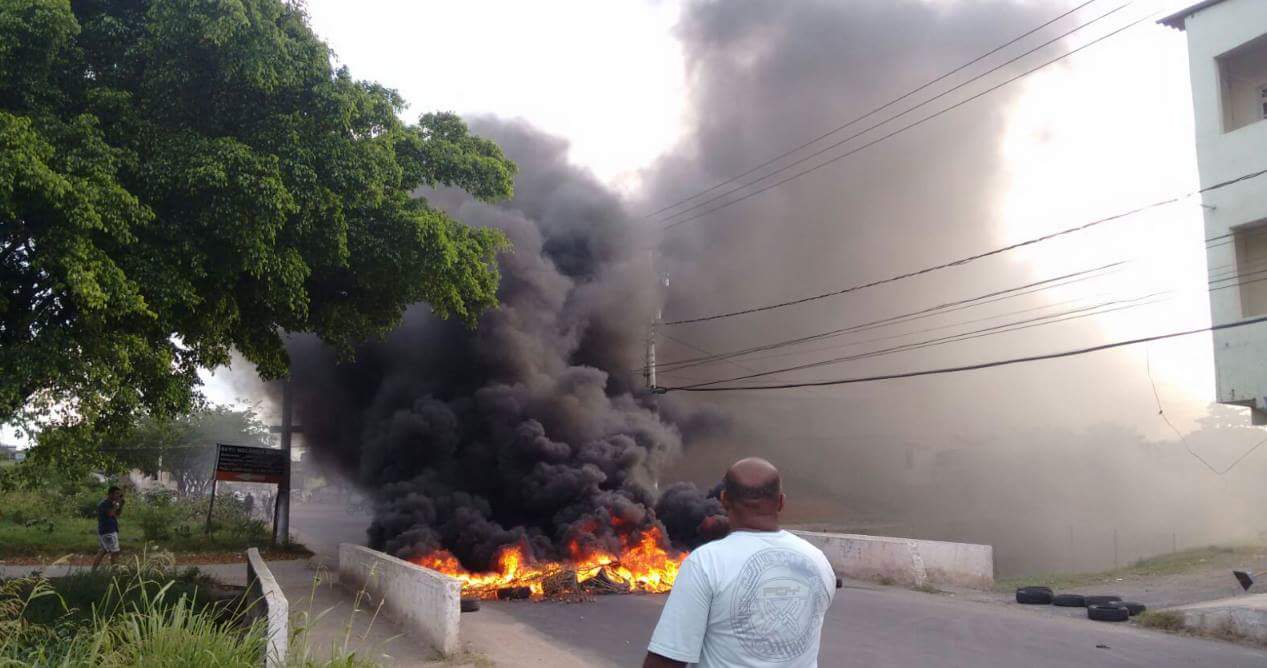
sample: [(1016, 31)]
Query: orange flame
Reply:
[(644, 564)]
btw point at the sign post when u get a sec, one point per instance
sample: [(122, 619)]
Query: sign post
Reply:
[(281, 511), (240, 463)]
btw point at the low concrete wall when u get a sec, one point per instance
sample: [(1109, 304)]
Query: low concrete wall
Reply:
[(906, 560), (1245, 616), (270, 604), (426, 603)]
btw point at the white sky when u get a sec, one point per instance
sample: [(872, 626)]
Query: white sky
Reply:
[(619, 96)]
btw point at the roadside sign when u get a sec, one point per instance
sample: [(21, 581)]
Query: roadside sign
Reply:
[(239, 463)]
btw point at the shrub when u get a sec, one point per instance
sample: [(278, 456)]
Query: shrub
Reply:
[(25, 507), (156, 516)]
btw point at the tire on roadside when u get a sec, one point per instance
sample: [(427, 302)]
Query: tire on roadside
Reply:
[(1034, 595), (470, 605), (1069, 600), (1108, 613), (1102, 600), (1131, 607)]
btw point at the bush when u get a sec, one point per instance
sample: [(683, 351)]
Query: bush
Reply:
[(26, 507), (157, 515)]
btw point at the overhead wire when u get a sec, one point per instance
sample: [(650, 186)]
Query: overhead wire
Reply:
[(972, 258), (950, 307), (909, 126), (980, 365), (872, 112), (1096, 309)]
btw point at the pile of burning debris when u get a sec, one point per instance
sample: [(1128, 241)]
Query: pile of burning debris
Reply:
[(643, 565)]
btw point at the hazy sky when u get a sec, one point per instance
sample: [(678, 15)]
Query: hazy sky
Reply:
[(611, 78)]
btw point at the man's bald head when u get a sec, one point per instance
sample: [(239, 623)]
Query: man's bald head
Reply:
[(752, 479)]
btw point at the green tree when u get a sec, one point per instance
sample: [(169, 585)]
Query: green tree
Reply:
[(186, 177), (184, 446)]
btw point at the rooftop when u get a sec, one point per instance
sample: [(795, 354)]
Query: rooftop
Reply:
[(1177, 19)]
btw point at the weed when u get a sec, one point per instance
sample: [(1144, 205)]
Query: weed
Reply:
[(1162, 620), (927, 588)]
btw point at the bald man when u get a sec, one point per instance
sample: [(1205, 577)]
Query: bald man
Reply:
[(754, 598)]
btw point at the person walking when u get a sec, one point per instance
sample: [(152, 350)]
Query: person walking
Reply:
[(108, 512), (757, 597)]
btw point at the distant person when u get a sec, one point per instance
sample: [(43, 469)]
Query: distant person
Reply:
[(108, 512), (754, 598)]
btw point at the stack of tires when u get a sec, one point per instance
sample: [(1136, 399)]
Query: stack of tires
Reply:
[(1099, 608)]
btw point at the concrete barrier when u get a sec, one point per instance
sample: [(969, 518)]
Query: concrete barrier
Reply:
[(270, 604), (1245, 616), (906, 560), (426, 603)]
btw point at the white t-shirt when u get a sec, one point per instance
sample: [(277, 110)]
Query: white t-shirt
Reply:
[(753, 599)]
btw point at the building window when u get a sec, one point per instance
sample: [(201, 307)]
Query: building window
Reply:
[(1251, 268), (1243, 84)]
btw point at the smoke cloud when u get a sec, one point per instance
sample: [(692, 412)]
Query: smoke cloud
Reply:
[(528, 429), (532, 429)]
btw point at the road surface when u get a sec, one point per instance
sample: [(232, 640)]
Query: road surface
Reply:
[(887, 627), (866, 626)]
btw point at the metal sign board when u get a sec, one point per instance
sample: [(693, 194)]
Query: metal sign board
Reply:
[(239, 463)]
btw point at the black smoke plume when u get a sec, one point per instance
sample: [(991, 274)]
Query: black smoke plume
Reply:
[(530, 429)]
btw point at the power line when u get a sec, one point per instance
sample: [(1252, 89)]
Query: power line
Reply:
[(958, 305), (971, 258), (1072, 314), (978, 366), (875, 111), (894, 133), (939, 309), (1183, 440)]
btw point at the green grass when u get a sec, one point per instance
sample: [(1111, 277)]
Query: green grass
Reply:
[(38, 525), (71, 535), (1184, 561), (1162, 620)]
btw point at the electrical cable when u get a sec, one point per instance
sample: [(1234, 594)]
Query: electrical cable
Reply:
[(980, 365), (873, 112), (971, 258), (1183, 440), (995, 330), (939, 309), (896, 132)]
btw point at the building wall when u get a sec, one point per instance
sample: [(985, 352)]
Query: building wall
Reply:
[(1240, 354)]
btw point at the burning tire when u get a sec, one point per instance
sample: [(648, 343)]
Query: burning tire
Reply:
[(1034, 595), (1069, 600), (470, 605), (1108, 613), (1102, 600), (1131, 607)]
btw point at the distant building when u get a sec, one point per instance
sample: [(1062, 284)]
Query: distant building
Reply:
[(1227, 61), (8, 452)]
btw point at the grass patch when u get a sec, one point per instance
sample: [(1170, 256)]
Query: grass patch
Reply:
[(1161, 620), (142, 614), (927, 588), (35, 525), (1184, 561)]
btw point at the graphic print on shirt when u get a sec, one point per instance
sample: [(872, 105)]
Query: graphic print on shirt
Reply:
[(779, 602)]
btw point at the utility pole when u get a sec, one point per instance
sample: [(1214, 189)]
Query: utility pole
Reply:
[(662, 282), (281, 510)]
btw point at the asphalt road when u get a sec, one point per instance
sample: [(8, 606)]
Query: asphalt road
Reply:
[(879, 627)]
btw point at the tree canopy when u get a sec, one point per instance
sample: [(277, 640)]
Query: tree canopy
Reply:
[(182, 178)]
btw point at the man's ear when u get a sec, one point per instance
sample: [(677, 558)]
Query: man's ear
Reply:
[(781, 499), (725, 500)]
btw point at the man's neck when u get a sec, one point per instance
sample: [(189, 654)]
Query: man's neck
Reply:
[(758, 527)]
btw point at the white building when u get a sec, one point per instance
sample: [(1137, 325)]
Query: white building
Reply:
[(1227, 60)]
